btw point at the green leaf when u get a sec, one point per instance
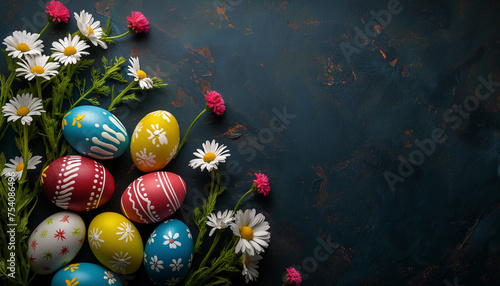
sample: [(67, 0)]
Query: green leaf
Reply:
[(108, 27)]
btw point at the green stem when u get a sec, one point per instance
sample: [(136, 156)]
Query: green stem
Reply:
[(25, 155), (44, 28), (110, 71), (117, 98), (116, 37), (246, 194), (39, 87), (187, 133), (214, 243)]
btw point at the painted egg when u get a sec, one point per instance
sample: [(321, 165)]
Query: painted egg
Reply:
[(85, 274), (153, 197), (116, 242), (168, 253), (95, 132), (154, 141), (55, 242), (77, 183)]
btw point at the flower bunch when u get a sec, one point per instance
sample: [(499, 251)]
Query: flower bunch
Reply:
[(250, 230), (49, 77)]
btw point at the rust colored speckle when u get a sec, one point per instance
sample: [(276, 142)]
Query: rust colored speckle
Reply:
[(238, 128), (179, 98), (204, 85), (322, 195), (378, 29), (393, 62), (222, 11), (383, 54), (104, 7), (408, 132), (206, 53)]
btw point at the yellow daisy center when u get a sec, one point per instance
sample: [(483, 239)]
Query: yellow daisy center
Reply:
[(90, 31), (23, 110), (246, 232), (69, 51), (141, 74), (247, 261), (37, 69), (20, 167), (22, 47), (209, 157)]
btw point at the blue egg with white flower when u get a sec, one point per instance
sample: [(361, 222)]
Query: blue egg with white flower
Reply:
[(85, 274), (168, 253), (95, 132)]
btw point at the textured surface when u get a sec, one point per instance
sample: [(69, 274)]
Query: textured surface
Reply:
[(330, 119)]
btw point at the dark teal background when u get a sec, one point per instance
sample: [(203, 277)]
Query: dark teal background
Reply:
[(352, 123)]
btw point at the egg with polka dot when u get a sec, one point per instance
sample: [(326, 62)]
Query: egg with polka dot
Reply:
[(77, 183), (154, 141), (55, 242), (95, 132), (153, 197), (168, 253), (85, 274)]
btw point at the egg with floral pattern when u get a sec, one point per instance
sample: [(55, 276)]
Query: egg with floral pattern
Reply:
[(55, 242), (95, 132), (77, 183), (168, 253), (153, 197), (85, 274), (154, 141), (116, 242)]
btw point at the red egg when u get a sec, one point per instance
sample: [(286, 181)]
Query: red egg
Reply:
[(77, 183), (153, 197)]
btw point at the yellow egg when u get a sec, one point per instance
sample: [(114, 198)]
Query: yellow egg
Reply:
[(154, 141), (116, 242)]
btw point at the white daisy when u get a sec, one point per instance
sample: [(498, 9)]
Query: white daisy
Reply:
[(171, 241), (250, 266), (139, 75), (221, 221), (252, 230), (126, 232), (156, 264), (210, 157), (37, 66), (15, 167), (23, 106), (23, 43), (90, 29), (68, 50), (176, 265)]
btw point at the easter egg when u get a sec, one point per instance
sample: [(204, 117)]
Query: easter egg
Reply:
[(154, 141), (77, 183), (153, 197), (168, 253), (85, 274), (95, 132), (116, 242), (55, 242)]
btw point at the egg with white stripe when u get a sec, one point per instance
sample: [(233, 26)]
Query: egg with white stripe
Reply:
[(77, 183), (153, 197), (95, 132)]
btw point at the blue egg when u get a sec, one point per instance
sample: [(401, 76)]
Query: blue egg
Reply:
[(169, 252), (85, 274), (95, 132)]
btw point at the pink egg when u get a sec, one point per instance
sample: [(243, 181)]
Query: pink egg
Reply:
[(153, 197), (77, 183)]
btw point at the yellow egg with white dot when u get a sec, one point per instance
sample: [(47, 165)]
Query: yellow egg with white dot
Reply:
[(155, 141), (116, 242)]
